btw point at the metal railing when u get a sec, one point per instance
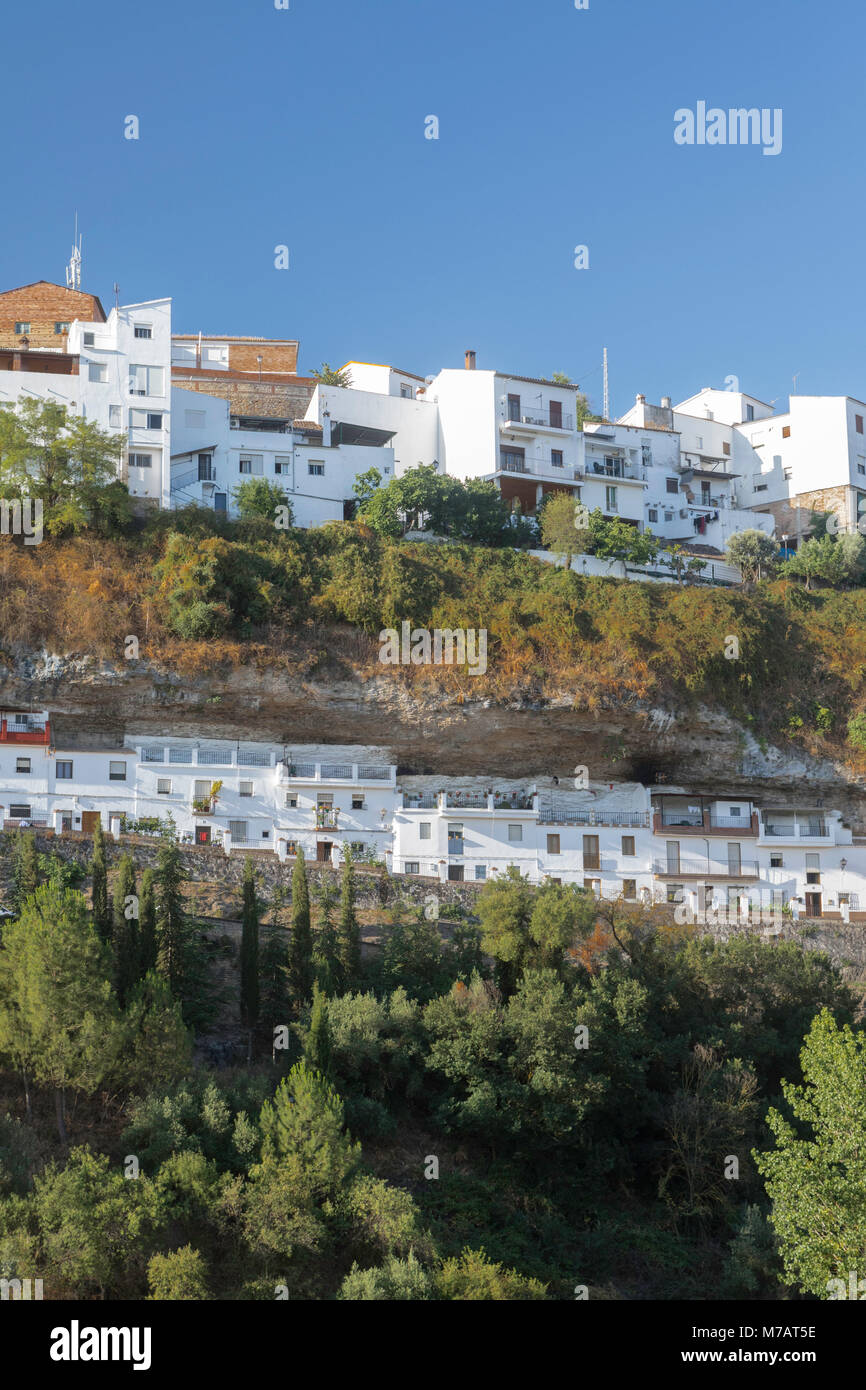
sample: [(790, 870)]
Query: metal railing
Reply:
[(816, 830), (429, 801), (683, 818), (746, 868), (326, 818), (341, 771), (631, 819), (545, 418)]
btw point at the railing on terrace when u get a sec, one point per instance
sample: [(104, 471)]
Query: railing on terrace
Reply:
[(675, 818), (746, 868), (730, 822), (429, 801), (456, 801), (631, 819), (326, 819), (814, 830), (341, 771), (547, 419)]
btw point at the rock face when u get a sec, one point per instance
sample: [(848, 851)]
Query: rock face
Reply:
[(425, 731)]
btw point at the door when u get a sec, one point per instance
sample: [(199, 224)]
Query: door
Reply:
[(514, 407), (556, 415), (734, 860), (323, 851), (65, 824), (455, 873), (673, 851), (813, 904), (590, 852), (88, 821), (202, 834), (219, 501)]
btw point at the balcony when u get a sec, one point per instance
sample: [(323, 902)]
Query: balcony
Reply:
[(702, 868), (536, 419), (614, 468), (327, 818), (704, 822), (289, 771), (638, 820), (811, 831), (24, 728)]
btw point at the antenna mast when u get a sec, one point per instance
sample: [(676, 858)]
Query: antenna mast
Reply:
[(73, 270), (606, 391)]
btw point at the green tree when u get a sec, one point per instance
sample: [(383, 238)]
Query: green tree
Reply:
[(249, 961), (333, 376), (561, 914), (157, 1045), (65, 462), (560, 531), (505, 910), (57, 1014), (816, 1173), (326, 952), (259, 497), (754, 553), (100, 908), (125, 930), (348, 928), (474, 1277), (147, 923), (180, 1276), (273, 969), (25, 867), (181, 958), (317, 1044), (301, 943)]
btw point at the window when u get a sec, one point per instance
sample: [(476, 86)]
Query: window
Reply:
[(675, 893), (357, 801), (726, 449), (424, 830), (251, 464), (115, 417), (412, 866), (316, 470), (194, 419), (22, 764), (405, 391), (629, 888), (760, 487), (146, 381), (590, 852), (142, 331), (201, 790), (787, 474), (813, 861), (64, 328), (628, 846), (97, 371), (812, 876), (238, 830), (776, 861), (140, 460), (64, 771), (145, 419), (700, 441), (163, 786), (610, 499), (515, 834), (282, 463), (480, 872), (245, 789), (513, 403), (750, 412), (786, 431), (556, 458), (291, 802), (205, 468), (672, 484), (89, 339), (553, 844), (19, 812), (117, 772), (858, 423), (22, 328), (653, 514), (556, 415)]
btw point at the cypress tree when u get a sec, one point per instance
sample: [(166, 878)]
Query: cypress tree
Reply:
[(301, 944), (125, 931), (25, 868), (249, 950), (317, 1046), (326, 956), (147, 924), (100, 908), (273, 967), (349, 932), (171, 926)]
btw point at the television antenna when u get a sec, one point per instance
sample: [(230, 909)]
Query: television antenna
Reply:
[(73, 270)]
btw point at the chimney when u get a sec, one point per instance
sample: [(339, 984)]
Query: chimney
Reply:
[(639, 399), (470, 360), (326, 429), (666, 402)]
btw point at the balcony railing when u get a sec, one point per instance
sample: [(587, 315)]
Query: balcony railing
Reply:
[(631, 819), (455, 845), (545, 419), (729, 822), (429, 801), (327, 818), (612, 468), (691, 868), (25, 731), (813, 830), (457, 801), (681, 818)]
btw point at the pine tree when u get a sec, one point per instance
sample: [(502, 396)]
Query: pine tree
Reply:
[(249, 950), (317, 1045), (349, 932), (125, 931), (147, 924), (170, 915), (100, 908), (25, 868), (326, 955), (301, 945)]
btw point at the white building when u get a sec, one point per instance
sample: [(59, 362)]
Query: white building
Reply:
[(121, 383)]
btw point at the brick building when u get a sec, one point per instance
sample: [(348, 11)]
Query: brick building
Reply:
[(36, 318)]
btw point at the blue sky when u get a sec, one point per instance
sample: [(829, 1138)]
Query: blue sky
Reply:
[(305, 127)]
